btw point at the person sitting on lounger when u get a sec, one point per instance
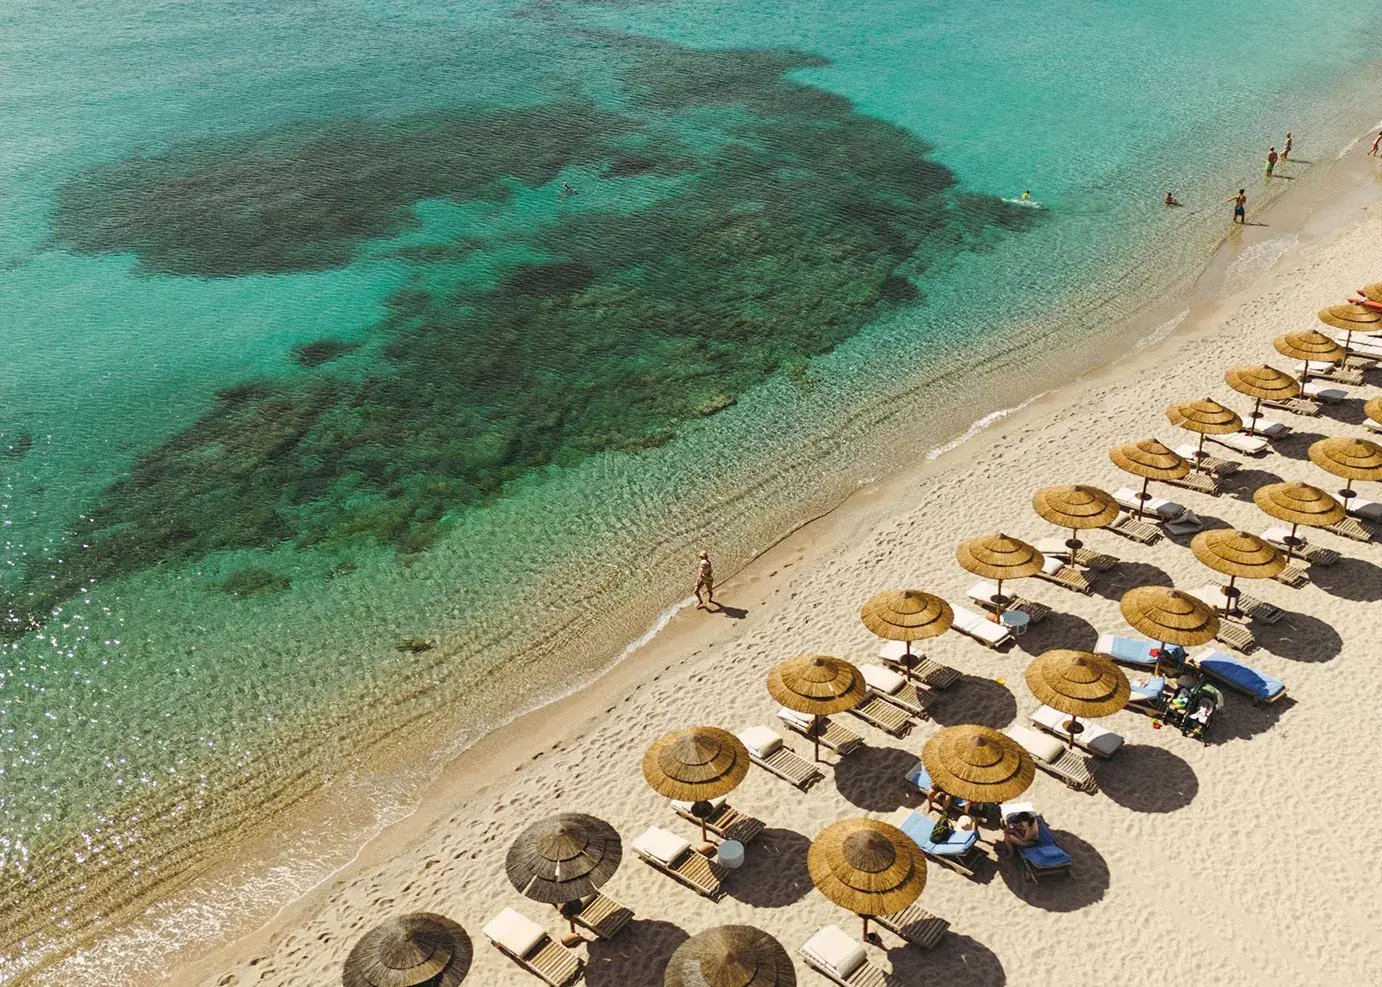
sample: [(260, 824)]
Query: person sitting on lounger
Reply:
[(1020, 831)]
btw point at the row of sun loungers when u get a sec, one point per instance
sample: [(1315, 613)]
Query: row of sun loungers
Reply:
[(1176, 518), (1218, 665), (1314, 554), (1092, 738)]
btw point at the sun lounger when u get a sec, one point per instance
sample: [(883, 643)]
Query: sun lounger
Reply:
[(982, 629), (1248, 445), (724, 820), (915, 925), (667, 852), (1063, 574), (1215, 465), (931, 674), (1146, 697), (1045, 856), (1296, 406), (1268, 428), (1293, 576), (985, 592), (1137, 652), (1372, 426), (767, 750), (1205, 483), (886, 716), (528, 944), (1256, 685), (1090, 559), (891, 687), (1350, 528), (833, 736), (1055, 758), (1332, 371), (1323, 392), (1368, 511), (918, 777), (840, 958), (1155, 507), (1315, 555), (957, 851), (1235, 635), (1092, 738), (1250, 606), (600, 915), (1134, 529)]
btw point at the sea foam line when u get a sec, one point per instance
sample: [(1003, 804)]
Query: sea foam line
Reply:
[(992, 418)]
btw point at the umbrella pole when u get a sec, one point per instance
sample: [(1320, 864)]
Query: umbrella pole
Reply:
[(1256, 414), (1199, 454), (1142, 497), (907, 660), (1291, 543), (816, 736), (998, 603), (1074, 544), (1347, 492)]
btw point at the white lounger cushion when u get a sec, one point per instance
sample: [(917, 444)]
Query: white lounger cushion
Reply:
[(1094, 737), (1361, 507), (761, 741), (1188, 452), (715, 803), (1315, 366), (1041, 746), (969, 622), (882, 679), (832, 948), (516, 933), (1211, 594), (661, 845), (1051, 566), (803, 720), (1269, 427), (1249, 445), (1160, 506), (1324, 392)]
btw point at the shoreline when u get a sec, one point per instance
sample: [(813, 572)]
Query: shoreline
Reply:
[(545, 729)]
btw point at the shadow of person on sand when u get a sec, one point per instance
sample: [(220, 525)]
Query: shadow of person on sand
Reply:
[(637, 957), (974, 700), (1300, 637), (1240, 485), (873, 778), (1145, 778), (956, 961), (774, 872), (1349, 579), (1056, 893)]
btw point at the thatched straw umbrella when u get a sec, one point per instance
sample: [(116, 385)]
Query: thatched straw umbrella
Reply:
[(696, 764), (867, 867), (1237, 554), (978, 764), (1373, 409), (817, 685), (1151, 460), (1352, 318), (1076, 507), (563, 858), (730, 956), (907, 615), (1308, 346), (415, 950), (1205, 417), (999, 557), (1262, 383), (1350, 458), (1297, 504), (1168, 616), (1079, 683)]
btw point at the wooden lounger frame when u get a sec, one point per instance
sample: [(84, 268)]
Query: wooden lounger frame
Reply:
[(911, 699), (1067, 577), (727, 822), (601, 915), (1135, 529), (833, 736), (1204, 483), (549, 960), (915, 925), (790, 767), (694, 870), (888, 717), (930, 673), (867, 975)]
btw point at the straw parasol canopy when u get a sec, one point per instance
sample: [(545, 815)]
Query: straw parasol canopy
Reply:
[(1308, 345), (1262, 383), (1348, 457), (999, 557), (1237, 554), (1151, 460), (1297, 504), (563, 858), (730, 956), (410, 951), (867, 867), (977, 763), (907, 615), (1076, 507), (818, 685), (1372, 292), (1205, 416), (1352, 318), (1169, 616), (1373, 409), (1078, 683)]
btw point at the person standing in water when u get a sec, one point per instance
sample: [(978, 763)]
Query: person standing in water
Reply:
[(1286, 151), (1240, 206), (705, 580), (1271, 160), (1375, 145)]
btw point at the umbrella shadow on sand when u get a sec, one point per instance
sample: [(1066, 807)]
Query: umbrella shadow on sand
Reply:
[(1349, 579), (1145, 778), (1112, 585), (1057, 893), (637, 957), (1300, 637), (1297, 444), (973, 700), (1059, 630), (957, 961), (774, 874), (872, 778), (1240, 485)]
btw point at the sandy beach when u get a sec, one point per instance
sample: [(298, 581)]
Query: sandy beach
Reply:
[(1227, 861)]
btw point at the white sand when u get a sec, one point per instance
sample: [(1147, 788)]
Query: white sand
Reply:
[(1234, 863)]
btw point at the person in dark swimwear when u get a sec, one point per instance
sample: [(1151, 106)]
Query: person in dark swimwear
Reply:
[(1170, 199), (1240, 206)]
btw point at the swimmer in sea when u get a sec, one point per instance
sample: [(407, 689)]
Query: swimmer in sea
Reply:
[(1025, 195), (566, 191), (1170, 199)]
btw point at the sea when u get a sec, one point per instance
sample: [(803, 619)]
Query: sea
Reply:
[(371, 371)]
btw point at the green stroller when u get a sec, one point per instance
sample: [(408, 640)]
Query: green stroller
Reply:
[(1193, 708)]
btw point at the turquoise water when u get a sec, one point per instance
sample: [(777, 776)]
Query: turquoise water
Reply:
[(305, 353)]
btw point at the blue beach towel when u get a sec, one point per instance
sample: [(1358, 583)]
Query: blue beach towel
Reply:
[(919, 827), (1135, 651), (1257, 684), (1045, 853)]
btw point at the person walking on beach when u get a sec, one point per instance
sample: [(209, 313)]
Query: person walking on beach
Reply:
[(1375, 145), (1240, 206), (1286, 151), (1271, 161), (705, 580)]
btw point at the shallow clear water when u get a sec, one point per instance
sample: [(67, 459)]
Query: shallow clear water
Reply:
[(303, 352)]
